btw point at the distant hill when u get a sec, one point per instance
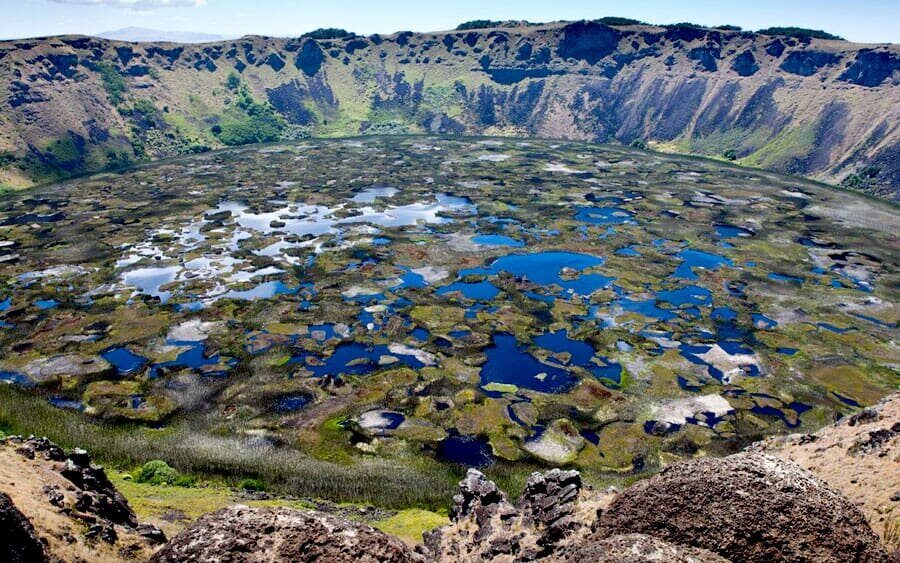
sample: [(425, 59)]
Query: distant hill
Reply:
[(146, 35), (788, 100)]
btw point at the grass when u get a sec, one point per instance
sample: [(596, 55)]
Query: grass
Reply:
[(409, 525), (415, 482)]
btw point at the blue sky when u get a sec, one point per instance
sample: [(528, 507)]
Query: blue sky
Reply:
[(869, 21)]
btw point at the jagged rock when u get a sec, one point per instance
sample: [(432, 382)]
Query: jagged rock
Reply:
[(638, 548), (98, 495), (18, 541), (475, 491), (746, 507), (553, 511), (240, 533)]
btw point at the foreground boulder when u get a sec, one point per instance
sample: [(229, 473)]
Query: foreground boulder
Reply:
[(747, 507), (243, 534), (858, 456), (18, 541), (637, 548)]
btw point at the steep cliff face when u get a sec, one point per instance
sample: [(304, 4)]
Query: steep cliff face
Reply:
[(821, 108)]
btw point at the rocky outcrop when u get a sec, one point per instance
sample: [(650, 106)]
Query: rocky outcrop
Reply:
[(18, 541), (555, 511), (746, 507), (244, 534), (68, 502)]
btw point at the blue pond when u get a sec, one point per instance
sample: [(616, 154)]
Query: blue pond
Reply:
[(353, 358), (479, 291), (687, 295), (763, 322), (627, 251), (509, 363), (545, 268), (124, 360), (836, 329), (465, 450), (605, 216), (193, 358), (559, 342), (45, 304), (698, 259), (785, 278), (730, 231), (63, 403), (497, 240), (787, 351), (15, 378), (5, 304), (723, 314)]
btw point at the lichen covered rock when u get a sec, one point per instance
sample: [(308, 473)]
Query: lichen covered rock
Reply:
[(746, 507)]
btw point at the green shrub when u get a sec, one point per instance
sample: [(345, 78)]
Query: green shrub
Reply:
[(185, 481), (233, 81), (799, 33), (257, 123), (328, 33), (638, 144), (157, 472), (612, 20), (251, 485), (862, 179), (477, 24), (113, 82), (730, 154)]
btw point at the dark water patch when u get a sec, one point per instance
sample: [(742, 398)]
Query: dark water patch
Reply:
[(63, 403), (497, 240), (731, 231), (469, 451), (15, 378), (509, 363), (478, 291), (353, 358), (292, 403), (45, 304), (785, 278), (701, 260), (124, 360)]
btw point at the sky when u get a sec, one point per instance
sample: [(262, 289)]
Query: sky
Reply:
[(865, 21)]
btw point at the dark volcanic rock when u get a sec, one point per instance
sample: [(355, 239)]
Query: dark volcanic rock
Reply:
[(588, 41), (746, 507), (871, 68), (241, 533), (638, 548), (745, 64), (18, 541), (310, 57), (97, 495), (807, 63)]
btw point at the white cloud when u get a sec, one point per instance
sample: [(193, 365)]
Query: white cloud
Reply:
[(136, 4)]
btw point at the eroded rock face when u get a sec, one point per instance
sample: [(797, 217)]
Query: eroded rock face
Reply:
[(746, 507), (18, 541), (240, 533), (638, 548)]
